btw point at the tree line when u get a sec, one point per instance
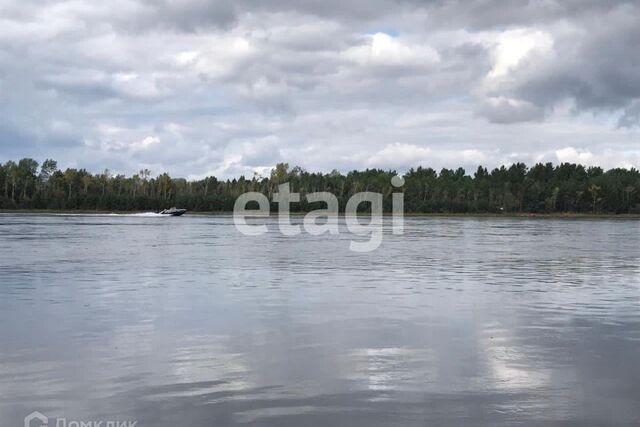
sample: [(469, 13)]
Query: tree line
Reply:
[(543, 188)]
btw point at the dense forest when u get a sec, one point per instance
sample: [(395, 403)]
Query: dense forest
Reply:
[(543, 188)]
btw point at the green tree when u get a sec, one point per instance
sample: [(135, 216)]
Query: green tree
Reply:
[(594, 190), (280, 174), (27, 169), (48, 168)]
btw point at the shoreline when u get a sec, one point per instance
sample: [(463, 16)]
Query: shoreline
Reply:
[(556, 215)]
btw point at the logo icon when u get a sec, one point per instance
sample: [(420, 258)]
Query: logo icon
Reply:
[(35, 415)]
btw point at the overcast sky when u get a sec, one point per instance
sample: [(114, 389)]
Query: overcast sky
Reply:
[(224, 88)]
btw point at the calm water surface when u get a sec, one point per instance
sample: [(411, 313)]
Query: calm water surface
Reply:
[(183, 321)]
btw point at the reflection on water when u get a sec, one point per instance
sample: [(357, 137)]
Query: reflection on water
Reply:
[(183, 321)]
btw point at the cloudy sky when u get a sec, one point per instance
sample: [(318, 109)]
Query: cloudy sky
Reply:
[(198, 87)]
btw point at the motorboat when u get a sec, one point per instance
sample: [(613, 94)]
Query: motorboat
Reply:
[(173, 211)]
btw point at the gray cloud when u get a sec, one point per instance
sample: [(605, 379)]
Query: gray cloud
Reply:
[(504, 110), (221, 87), (591, 62)]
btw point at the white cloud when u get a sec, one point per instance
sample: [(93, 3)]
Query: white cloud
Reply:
[(573, 155), (404, 156), (147, 142), (219, 56), (400, 155), (381, 49), (513, 46)]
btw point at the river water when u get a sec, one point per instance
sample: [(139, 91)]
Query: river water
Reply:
[(185, 321)]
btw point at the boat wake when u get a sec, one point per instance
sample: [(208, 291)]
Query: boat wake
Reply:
[(145, 214), (138, 214)]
